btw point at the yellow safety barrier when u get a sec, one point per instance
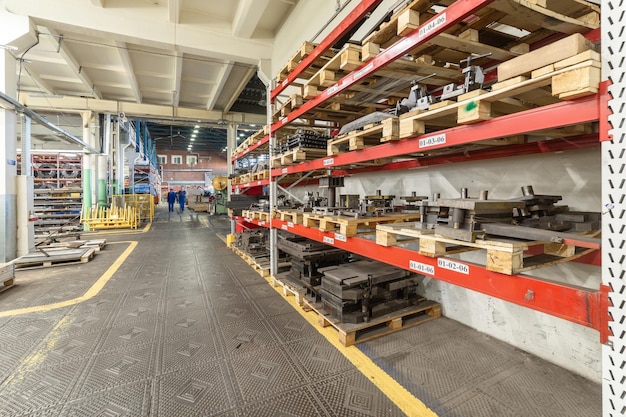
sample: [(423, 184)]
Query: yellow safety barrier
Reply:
[(142, 203), (113, 217)]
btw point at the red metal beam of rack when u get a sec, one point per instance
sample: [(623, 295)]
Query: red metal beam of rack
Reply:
[(363, 8), (431, 28), (250, 149), (496, 152), (575, 304), (560, 114)]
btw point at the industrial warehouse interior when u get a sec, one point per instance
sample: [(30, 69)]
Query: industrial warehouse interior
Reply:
[(312, 208)]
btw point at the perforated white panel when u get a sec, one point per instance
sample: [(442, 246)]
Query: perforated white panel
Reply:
[(614, 196)]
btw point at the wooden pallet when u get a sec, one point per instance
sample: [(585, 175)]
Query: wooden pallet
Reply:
[(54, 257), (294, 101), (350, 226), (199, 207), (370, 135), (289, 288), (256, 215), (350, 334), (294, 156), (507, 256), (261, 175), (259, 264), (97, 244), (293, 216)]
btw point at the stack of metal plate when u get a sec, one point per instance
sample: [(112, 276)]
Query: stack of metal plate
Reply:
[(304, 139), (307, 256), (359, 291)]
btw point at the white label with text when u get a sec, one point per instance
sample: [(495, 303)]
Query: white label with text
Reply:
[(432, 141), (437, 22), (329, 240), (289, 224), (284, 170), (420, 267), (340, 237), (329, 161), (453, 266), (284, 227)]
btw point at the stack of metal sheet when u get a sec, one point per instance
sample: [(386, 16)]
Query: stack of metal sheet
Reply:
[(359, 291), (303, 139), (307, 256)]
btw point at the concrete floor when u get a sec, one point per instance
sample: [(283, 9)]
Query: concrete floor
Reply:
[(183, 327)]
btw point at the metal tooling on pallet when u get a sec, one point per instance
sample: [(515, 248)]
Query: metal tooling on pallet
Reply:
[(421, 99), (412, 202), (466, 215), (253, 242), (540, 212), (307, 256), (304, 139), (359, 291), (378, 203), (531, 217)]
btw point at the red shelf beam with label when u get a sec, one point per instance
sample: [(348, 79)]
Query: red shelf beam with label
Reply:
[(546, 117)]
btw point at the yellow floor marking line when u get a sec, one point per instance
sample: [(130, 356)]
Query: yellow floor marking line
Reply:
[(91, 292), (403, 399), (400, 396)]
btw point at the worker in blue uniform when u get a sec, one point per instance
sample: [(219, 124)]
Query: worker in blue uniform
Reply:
[(171, 199), (182, 196)]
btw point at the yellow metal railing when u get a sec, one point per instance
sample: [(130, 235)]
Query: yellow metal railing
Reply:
[(142, 203), (113, 217)]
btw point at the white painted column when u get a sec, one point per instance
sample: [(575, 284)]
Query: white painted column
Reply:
[(8, 159), (614, 209)]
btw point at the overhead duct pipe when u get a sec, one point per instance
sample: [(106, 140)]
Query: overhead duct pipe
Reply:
[(36, 117)]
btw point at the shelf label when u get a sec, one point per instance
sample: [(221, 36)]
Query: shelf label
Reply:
[(432, 25), (453, 266), (258, 183), (246, 185), (331, 90), (329, 161), (328, 240), (285, 83), (289, 224), (340, 237), (284, 170), (262, 223), (365, 69), (420, 267), (432, 141), (284, 227)]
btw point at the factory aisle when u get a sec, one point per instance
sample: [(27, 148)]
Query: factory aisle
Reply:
[(172, 323)]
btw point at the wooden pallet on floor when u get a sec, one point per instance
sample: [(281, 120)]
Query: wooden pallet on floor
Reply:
[(289, 288), (370, 135), (350, 226), (54, 257), (97, 244), (350, 334), (297, 155), (259, 264)]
